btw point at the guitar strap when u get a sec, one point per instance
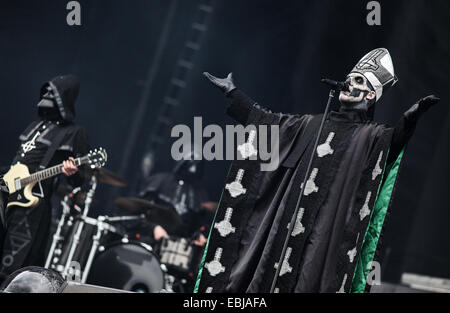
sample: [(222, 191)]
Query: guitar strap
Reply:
[(54, 146), (3, 201), (4, 192), (3, 187)]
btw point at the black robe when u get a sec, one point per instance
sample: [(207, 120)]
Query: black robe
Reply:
[(28, 229), (340, 222)]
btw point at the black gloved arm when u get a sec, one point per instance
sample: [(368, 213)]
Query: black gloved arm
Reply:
[(240, 107), (406, 125), (241, 104)]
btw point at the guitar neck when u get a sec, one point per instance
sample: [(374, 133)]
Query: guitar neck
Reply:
[(49, 172)]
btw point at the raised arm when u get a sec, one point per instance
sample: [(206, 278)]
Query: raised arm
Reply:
[(407, 123), (241, 105)]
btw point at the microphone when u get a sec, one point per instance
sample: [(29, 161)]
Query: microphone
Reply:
[(338, 86)]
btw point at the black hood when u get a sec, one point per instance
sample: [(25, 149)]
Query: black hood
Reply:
[(182, 168), (65, 88)]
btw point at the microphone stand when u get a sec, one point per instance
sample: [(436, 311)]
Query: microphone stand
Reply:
[(297, 207)]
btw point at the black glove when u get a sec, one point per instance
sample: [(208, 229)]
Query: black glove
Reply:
[(224, 84), (421, 107)]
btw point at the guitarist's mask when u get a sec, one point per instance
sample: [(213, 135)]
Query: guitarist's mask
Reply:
[(47, 108), (58, 97), (190, 166)]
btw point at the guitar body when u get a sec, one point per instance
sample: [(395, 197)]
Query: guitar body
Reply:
[(18, 174), (18, 195)]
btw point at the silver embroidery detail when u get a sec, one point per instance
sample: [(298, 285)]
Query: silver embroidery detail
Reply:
[(298, 227), (365, 208), (246, 149), (276, 290), (310, 184), (285, 267), (342, 290), (325, 148), (209, 290), (235, 188), (377, 170), (215, 267), (224, 227)]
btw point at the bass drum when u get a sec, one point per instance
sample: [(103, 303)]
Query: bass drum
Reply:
[(128, 266)]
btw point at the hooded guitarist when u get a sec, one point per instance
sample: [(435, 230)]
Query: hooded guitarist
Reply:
[(50, 140)]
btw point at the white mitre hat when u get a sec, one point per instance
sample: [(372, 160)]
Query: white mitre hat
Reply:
[(378, 68)]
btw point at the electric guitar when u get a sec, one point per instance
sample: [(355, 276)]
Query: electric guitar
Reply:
[(20, 182)]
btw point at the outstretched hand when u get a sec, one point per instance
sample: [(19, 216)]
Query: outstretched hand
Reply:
[(224, 84), (428, 102), (421, 106)]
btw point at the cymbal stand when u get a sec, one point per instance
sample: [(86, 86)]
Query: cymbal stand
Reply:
[(57, 238), (76, 239)]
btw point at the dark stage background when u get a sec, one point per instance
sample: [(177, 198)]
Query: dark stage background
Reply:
[(278, 51)]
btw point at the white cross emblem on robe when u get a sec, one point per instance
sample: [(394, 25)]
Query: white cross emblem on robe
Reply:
[(246, 149), (235, 188), (342, 289), (365, 209), (325, 148), (215, 267), (285, 267), (310, 184), (224, 227), (298, 226), (377, 170)]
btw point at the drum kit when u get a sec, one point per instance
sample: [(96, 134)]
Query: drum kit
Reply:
[(106, 251)]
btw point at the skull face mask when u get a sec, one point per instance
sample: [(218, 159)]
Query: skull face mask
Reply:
[(360, 95)]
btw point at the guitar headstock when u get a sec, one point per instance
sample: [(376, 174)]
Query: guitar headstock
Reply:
[(97, 158)]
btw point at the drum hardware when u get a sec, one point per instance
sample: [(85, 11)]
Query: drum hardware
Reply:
[(114, 219), (101, 227), (124, 240), (101, 222), (134, 264), (176, 252), (68, 217), (78, 197), (57, 238), (169, 282), (81, 238), (154, 212), (181, 258), (76, 238)]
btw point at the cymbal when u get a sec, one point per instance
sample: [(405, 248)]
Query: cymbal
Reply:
[(156, 213), (108, 177)]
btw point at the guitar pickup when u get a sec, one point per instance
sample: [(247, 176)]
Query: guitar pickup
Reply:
[(17, 184)]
